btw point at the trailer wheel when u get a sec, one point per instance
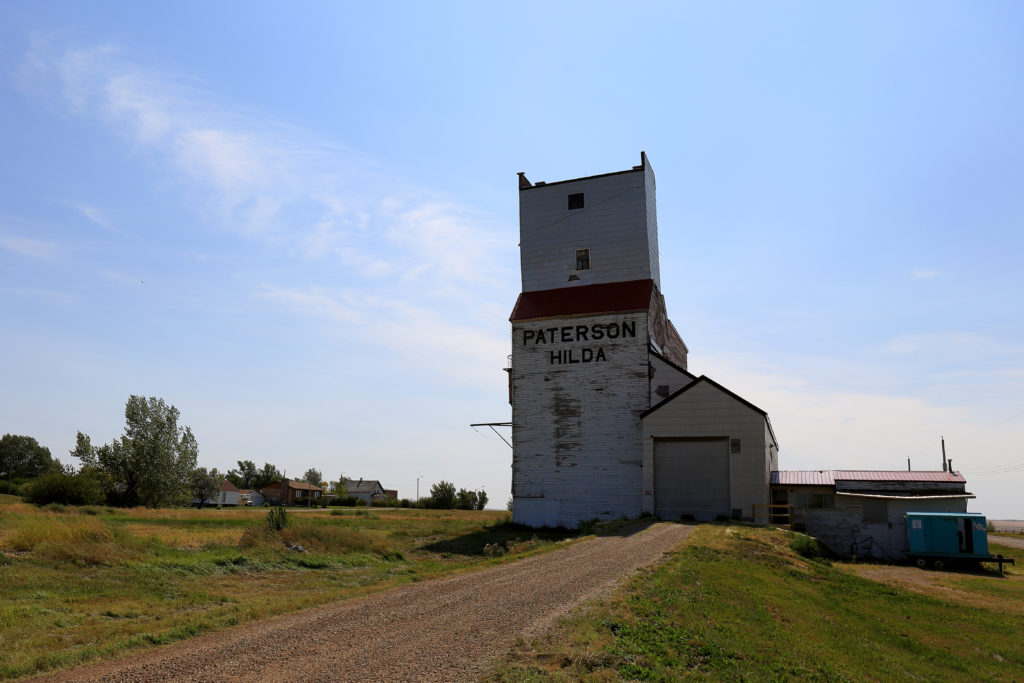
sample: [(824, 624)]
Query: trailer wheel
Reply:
[(938, 564), (921, 562)]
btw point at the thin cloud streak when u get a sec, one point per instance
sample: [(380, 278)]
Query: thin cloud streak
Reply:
[(274, 183), (26, 246)]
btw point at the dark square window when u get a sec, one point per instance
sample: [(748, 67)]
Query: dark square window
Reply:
[(734, 445), (875, 511), (576, 201), (582, 259)]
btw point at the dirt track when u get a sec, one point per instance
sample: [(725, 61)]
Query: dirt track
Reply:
[(444, 630)]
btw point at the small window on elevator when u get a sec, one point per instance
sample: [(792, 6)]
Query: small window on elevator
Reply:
[(576, 201), (582, 259)]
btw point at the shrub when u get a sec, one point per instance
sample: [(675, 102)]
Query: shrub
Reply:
[(66, 489), (990, 527), (805, 546), (360, 502), (277, 519), (405, 503), (10, 487)]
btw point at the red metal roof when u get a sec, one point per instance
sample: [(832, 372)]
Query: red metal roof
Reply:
[(611, 297), (829, 477)]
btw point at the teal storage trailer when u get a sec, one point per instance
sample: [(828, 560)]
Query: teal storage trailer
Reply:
[(941, 537)]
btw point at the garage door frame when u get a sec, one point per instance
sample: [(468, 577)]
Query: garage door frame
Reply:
[(725, 504)]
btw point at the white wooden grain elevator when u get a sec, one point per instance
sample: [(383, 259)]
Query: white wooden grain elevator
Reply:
[(606, 419)]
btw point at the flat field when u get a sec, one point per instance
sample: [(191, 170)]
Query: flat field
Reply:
[(737, 603), (79, 584)]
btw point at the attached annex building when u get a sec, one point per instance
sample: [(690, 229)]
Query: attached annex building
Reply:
[(606, 418)]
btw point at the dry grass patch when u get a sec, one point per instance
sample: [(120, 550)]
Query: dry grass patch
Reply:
[(87, 583)]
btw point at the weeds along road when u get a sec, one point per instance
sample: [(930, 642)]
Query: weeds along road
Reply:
[(448, 629)]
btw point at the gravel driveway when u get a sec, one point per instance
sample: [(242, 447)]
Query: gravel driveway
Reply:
[(448, 629), (1012, 541)]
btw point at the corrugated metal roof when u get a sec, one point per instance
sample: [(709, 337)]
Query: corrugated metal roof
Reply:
[(803, 478), (829, 477), (894, 497), (610, 297)]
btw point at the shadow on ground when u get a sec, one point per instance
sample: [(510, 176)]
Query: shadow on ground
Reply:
[(512, 537)]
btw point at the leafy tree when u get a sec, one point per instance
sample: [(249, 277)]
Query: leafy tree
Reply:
[(64, 486), (267, 475), (205, 485), (246, 476), (481, 499), (442, 495), (313, 476), (465, 500), (338, 487), (21, 457), (151, 464)]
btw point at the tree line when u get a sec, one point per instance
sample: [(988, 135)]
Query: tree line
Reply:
[(154, 463)]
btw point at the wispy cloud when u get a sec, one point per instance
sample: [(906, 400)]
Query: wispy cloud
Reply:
[(270, 181), (26, 246), (94, 215), (464, 352), (924, 273)]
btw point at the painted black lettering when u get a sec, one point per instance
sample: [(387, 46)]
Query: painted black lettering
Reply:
[(540, 337), (581, 333), (613, 330), (600, 356), (588, 355), (597, 332), (569, 353), (567, 334), (551, 334), (629, 328), (528, 335), (556, 357)]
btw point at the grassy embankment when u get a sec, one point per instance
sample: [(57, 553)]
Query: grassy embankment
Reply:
[(736, 603), (89, 583)]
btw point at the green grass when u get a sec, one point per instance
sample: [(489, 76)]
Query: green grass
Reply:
[(739, 603), (86, 583)]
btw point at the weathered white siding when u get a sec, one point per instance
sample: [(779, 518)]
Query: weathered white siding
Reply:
[(666, 379), (228, 498), (706, 411), (576, 418), (651, 217), (618, 224)]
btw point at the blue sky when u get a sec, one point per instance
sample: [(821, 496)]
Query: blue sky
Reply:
[(298, 223)]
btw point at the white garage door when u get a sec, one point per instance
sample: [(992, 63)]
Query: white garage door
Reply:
[(691, 477)]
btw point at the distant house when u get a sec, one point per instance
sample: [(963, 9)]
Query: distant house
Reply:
[(367, 490), (227, 495), (392, 494), (289, 492), (249, 497), (861, 513)]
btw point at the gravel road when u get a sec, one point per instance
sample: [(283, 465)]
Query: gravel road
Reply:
[(1012, 541), (449, 629)]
